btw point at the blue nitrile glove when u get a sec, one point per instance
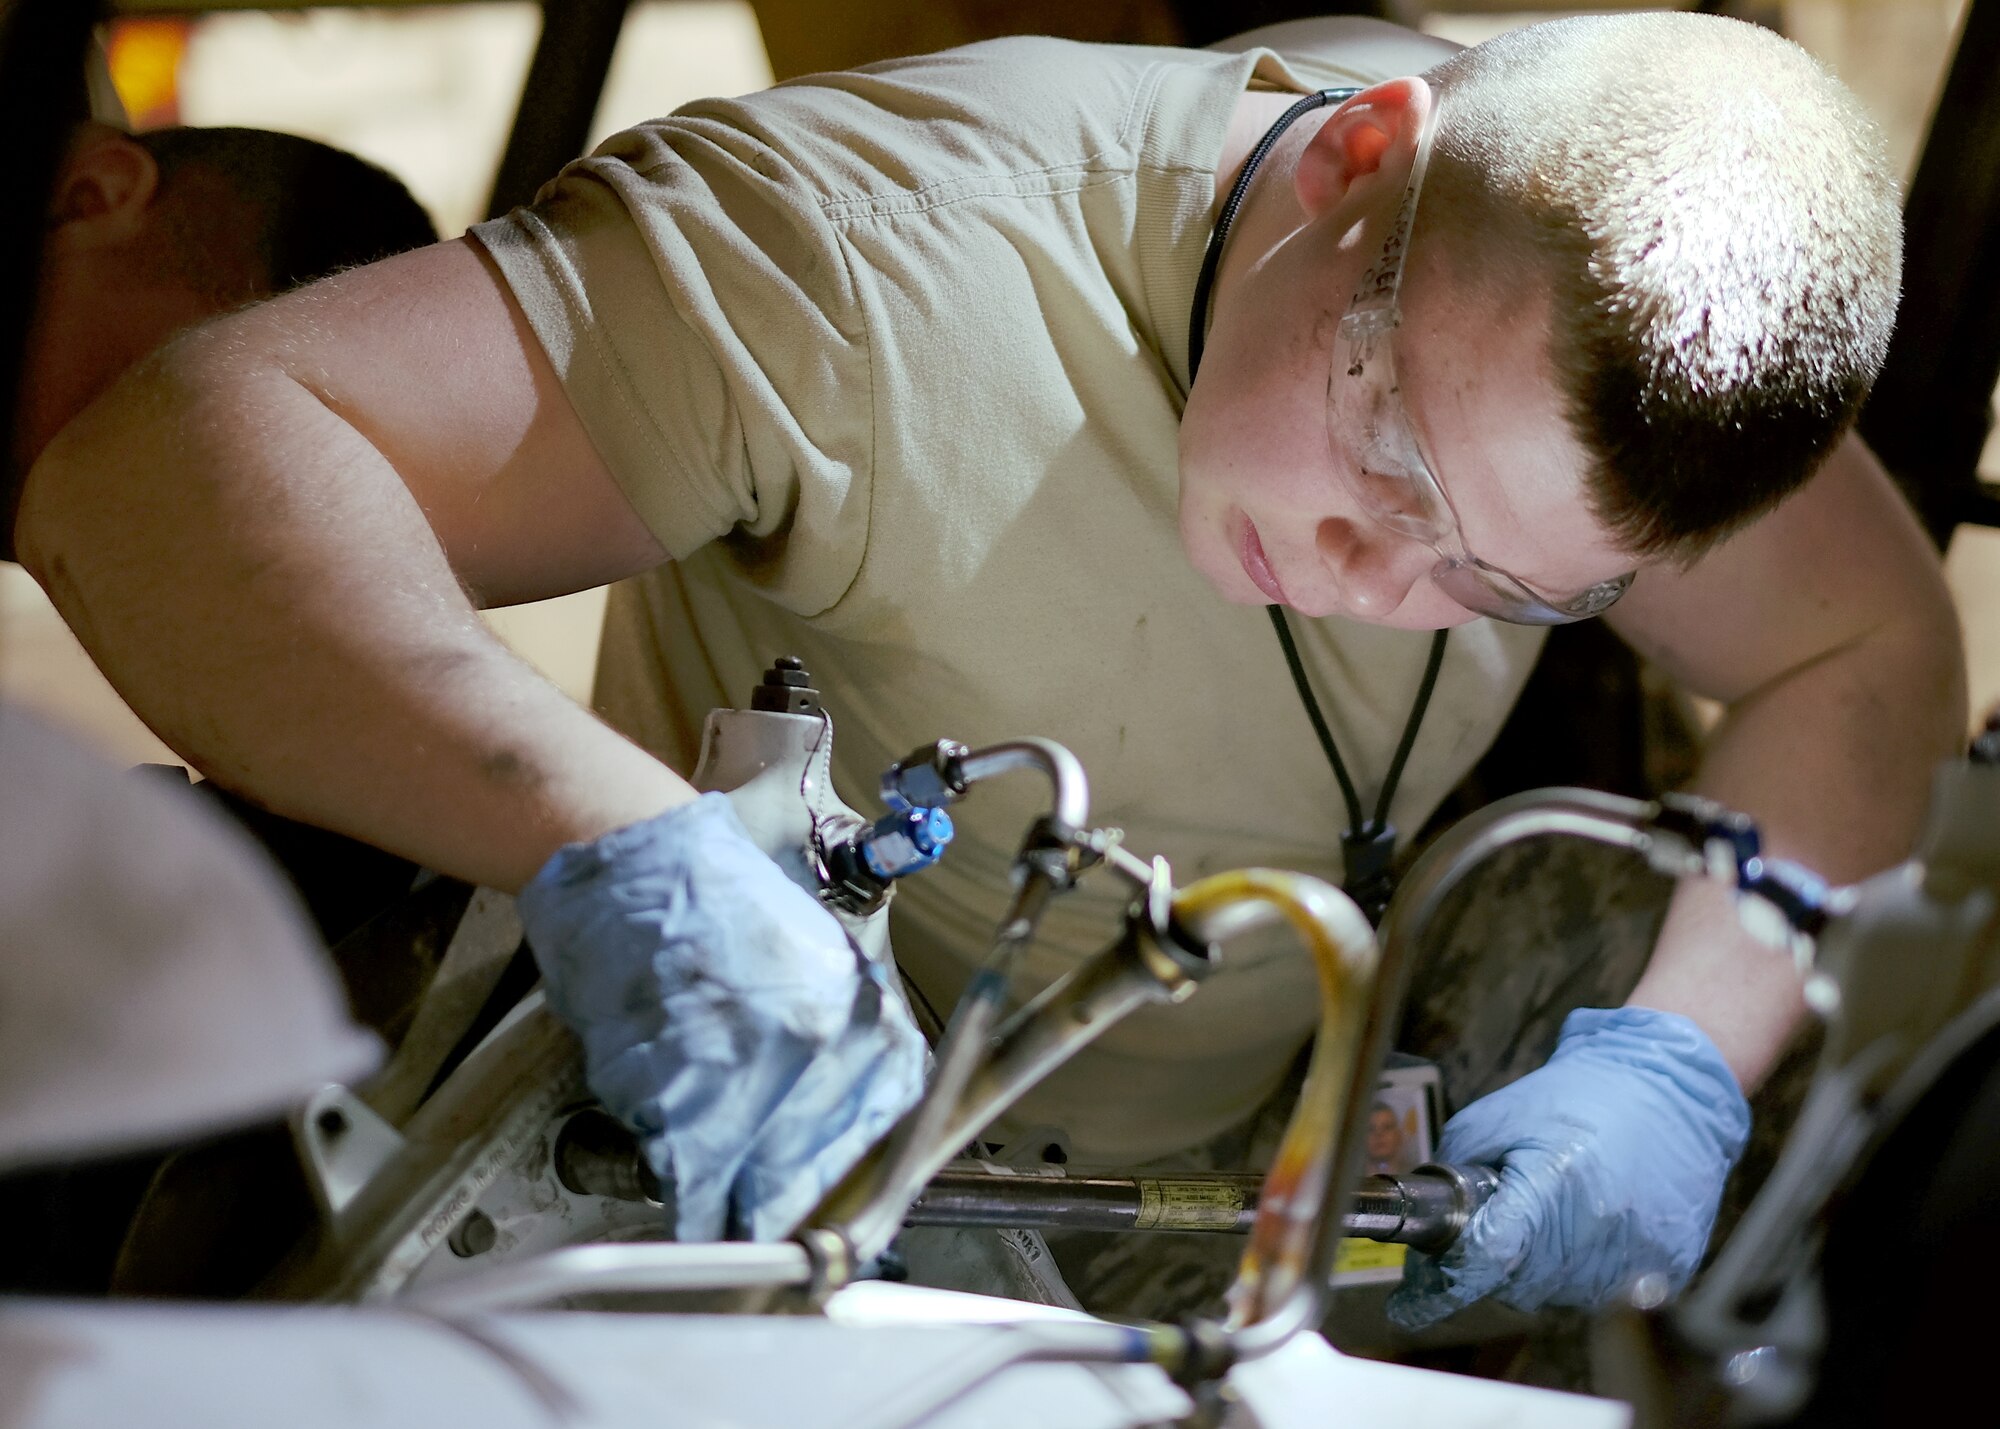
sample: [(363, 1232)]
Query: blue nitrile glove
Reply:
[(1612, 1157), (724, 1014)]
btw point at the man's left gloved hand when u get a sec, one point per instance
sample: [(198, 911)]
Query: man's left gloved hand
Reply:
[(1612, 1157), (725, 1015)]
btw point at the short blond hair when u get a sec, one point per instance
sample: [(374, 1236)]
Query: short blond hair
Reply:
[(1715, 219)]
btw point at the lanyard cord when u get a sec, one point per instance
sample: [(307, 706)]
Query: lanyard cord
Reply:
[(1403, 746), (1226, 219), (1368, 846)]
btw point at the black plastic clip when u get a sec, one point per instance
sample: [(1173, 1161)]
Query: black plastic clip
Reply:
[(1369, 856)]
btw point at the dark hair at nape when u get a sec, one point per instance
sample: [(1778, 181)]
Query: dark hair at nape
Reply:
[(322, 209), (1677, 471)]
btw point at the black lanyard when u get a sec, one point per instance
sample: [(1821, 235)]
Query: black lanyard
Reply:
[(1368, 846)]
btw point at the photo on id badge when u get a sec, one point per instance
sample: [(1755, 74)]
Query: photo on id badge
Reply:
[(1400, 1134)]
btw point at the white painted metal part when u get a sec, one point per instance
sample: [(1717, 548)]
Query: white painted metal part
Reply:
[(777, 770), (159, 980), (884, 1357)]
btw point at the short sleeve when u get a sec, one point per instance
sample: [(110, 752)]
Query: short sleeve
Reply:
[(700, 312)]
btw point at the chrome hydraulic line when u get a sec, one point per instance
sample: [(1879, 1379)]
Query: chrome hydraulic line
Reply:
[(1280, 1282), (1045, 866), (939, 774), (1679, 835), (1063, 770), (1169, 943)]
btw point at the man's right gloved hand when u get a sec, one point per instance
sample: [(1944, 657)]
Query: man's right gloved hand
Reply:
[(1612, 1159), (725, 1015)]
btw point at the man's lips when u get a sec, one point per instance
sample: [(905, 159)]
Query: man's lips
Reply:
[(1257, 565)]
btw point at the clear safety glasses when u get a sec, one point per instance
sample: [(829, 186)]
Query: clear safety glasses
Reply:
[(1388, 473)]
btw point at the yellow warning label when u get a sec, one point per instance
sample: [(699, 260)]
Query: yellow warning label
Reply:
[(1358, 1256), (1187, 1206)]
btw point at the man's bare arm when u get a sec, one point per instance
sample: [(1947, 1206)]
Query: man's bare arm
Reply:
[(271, 536), (1827, 632)]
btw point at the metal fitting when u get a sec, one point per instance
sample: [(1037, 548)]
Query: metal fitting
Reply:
[(787, 689), (927, 778)]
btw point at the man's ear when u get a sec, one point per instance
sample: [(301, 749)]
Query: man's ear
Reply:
[(1374, 133), (106, 186)]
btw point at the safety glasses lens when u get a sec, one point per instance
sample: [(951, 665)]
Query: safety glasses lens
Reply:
[(1485, 591)]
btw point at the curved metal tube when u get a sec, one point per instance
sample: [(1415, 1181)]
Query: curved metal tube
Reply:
[(1064, 770), (1579, 813), (1290, 1255), (1261, 1321)]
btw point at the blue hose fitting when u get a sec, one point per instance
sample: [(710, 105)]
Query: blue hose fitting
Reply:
[(904, 841), (860, 869)]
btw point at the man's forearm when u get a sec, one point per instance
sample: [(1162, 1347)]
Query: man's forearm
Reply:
[(1834, 761), (262, 588)]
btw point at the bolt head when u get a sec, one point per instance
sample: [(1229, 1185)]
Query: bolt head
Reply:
[(475, 1235), (1650, 1291), (1745, 1365)]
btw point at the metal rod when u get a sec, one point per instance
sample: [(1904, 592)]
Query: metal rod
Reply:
[(1426, 1208), (632, 1269), (1205, 1201)]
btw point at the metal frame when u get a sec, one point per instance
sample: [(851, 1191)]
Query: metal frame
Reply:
[(1932, 407), (35, 108), (559, 94), (559, 99)]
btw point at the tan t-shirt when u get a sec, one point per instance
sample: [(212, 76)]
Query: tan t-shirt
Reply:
[(892, 362)]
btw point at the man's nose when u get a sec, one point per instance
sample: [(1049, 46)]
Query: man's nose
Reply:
[(1372, 567)]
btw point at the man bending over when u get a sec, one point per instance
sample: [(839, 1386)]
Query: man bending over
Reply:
[(892, 370)]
